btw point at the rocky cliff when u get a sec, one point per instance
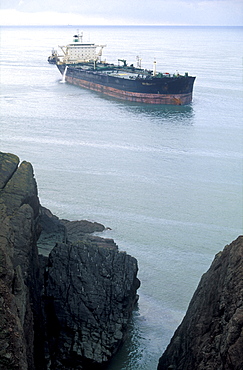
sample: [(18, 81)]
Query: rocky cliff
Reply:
[(19, 268), (90, 292), (68, 308), (211, 334)]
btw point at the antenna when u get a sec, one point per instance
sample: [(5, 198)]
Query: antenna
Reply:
[(154, 68)]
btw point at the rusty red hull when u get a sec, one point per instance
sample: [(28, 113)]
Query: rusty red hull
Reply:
[(174, 99), (81, 65)]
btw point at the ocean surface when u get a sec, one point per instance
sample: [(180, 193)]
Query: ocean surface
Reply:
[(166, 179)]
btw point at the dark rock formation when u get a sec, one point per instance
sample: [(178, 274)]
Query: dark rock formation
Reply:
[(19, 284), (52, 231), (90, 294), (211, 334), (78, 229), (70, 308)]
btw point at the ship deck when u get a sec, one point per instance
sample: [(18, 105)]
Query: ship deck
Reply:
[(128, 72)]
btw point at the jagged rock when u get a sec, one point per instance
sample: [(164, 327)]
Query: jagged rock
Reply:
[(211, 334), (69, 308), (90, 293), (77, 229), (19, 207), (52, 231), (8, 165)]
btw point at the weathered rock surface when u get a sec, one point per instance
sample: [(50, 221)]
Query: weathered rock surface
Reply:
[(211, 334), (52, 231), (19, 285), (70, 308), (55, 231), (90, 294)]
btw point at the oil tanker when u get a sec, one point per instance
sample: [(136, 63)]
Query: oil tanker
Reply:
[(80, 64)]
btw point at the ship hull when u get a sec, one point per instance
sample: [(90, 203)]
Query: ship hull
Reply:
[(147, 98), (168, 90)]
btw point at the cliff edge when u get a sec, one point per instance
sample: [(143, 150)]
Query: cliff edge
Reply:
[(211, 333), (19, 267), (68, 308)]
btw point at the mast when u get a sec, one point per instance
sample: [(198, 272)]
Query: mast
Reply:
[(154, 68)]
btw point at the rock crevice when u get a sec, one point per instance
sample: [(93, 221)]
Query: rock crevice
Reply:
[(69, 307)]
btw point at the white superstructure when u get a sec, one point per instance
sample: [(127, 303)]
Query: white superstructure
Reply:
[(79, 51)]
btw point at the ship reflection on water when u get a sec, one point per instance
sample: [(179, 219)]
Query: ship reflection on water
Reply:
[(161, 113), (173, 113)]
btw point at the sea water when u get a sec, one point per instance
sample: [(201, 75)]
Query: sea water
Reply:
[(167, 180)]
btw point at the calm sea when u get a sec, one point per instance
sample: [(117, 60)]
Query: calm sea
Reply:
[(167, 180)]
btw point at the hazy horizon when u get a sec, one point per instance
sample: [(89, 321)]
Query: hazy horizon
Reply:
[(111, 13)]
